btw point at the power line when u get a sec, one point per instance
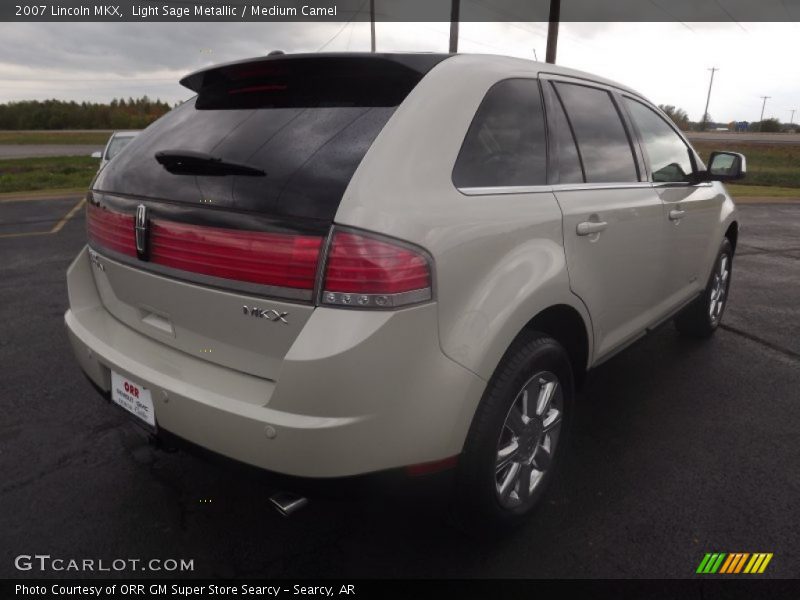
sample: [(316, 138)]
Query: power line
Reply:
[(670, 15), (730, 16), (343, 27)]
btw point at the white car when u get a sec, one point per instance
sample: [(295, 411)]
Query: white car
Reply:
[(330, 265), (115, 144)]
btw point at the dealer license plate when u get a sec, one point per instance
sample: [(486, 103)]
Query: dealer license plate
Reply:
[(133, 397)]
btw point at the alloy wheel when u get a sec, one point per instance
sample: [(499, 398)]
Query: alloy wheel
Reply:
[(528, 440), (719, 289)]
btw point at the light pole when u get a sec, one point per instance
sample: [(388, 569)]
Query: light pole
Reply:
[(708, 98), (791, 120), (455, 9), (763, 105), (372, 24), (552, 31)]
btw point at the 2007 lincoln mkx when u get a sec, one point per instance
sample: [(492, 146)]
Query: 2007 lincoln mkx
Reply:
[(340, 264)]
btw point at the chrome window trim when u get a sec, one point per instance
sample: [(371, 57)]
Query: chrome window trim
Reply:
[(558, 187), (680, 184), (623, 185), (505, 189), (608, 86), (226, 285)]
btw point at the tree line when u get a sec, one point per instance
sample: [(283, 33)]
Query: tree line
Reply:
[(134, 113), (681, 119)]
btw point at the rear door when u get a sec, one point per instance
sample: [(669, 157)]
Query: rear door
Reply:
[(613, 234), (207, 231), (691, 210)]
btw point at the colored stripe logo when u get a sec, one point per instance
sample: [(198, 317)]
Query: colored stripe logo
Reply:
[(734, 563)]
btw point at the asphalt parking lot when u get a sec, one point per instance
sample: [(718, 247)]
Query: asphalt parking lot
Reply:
[(679, 448)]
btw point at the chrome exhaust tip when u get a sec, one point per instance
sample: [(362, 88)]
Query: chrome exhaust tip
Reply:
[(287, 503)]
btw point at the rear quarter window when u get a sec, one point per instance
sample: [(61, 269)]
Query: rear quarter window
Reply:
[(505, 144)]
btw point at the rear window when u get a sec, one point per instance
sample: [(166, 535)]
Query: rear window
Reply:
[(303, 125)]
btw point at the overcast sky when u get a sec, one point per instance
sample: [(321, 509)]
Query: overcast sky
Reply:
[(667, 62)]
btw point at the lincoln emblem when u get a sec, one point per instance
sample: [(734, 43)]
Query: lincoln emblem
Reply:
[(141, 232)]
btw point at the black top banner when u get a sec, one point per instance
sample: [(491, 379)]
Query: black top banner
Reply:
[(400, 10)]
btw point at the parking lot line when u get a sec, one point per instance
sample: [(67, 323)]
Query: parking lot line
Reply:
[(56, 228), (68, 216)]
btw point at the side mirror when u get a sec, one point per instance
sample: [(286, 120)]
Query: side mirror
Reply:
[(726, 166), (97, 154)]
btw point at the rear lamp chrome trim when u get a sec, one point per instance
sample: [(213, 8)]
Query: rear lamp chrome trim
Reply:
[(376, 301)]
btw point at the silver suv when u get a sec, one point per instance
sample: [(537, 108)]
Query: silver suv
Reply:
[(339, 264)]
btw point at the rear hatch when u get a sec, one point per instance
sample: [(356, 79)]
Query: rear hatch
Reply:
[(208, 230)]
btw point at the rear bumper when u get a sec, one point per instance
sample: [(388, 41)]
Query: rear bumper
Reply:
[(358, 391)]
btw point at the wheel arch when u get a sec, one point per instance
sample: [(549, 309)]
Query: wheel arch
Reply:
[(565, 324)]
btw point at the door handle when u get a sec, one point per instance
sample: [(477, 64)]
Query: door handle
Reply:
[(590, 227), (676, 214)]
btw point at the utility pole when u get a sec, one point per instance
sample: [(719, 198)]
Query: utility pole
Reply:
[(763, 105), (708, 98), (454, 10), (372, 24), (552, 31), (791, 121)]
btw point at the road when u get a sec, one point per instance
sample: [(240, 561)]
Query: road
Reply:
[(37, 150), (679, 448)]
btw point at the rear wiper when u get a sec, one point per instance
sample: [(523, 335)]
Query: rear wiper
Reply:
[(188, 162)]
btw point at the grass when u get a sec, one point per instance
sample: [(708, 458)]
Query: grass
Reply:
[(47, 173), (55, 137), (763, 191), (768, 165)]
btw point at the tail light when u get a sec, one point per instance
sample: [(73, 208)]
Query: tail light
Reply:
[(274, 259), (366, 271), (110, 229), (360, 270)]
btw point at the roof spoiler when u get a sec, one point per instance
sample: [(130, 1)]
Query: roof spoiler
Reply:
[(276, 64)]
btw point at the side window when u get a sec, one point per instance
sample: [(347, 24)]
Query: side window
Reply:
[(505, 144), (669, 156), (602, 140), (564, 146)]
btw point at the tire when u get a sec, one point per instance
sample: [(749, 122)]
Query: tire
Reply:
[(484, 501), (702, 317)]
